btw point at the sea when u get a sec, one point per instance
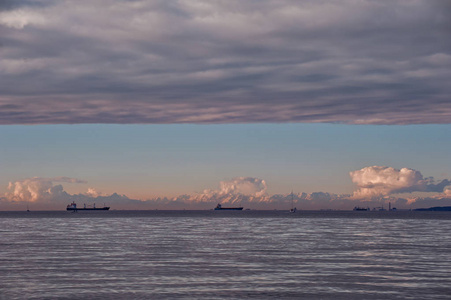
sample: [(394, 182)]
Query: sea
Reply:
[(225, 255)]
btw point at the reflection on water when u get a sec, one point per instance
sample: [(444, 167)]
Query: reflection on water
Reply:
[(191, 255)]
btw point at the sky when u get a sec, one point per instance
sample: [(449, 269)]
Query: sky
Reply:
[(184, 104)]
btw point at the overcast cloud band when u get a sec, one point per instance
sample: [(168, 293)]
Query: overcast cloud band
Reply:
[(358, 62)]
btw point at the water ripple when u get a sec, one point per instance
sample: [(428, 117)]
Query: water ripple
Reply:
[(200, 256)]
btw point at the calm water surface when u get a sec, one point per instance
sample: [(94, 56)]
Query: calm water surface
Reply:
[(225, 255)]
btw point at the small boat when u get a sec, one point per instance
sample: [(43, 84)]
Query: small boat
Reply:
[(219, 207), (73, 207)]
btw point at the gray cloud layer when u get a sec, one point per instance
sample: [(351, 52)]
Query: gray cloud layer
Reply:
[(107, 61)]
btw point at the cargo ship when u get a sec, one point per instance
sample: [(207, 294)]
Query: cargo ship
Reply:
[(73, 207), (219, 207), (357, 208)]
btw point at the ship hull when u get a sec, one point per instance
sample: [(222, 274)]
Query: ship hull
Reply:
[(77, 209), (360, 209), (229, 208)]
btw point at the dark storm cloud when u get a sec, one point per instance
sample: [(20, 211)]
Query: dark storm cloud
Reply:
[(106, 61)]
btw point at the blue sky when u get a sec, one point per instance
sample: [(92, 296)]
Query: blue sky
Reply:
[(144, 161)]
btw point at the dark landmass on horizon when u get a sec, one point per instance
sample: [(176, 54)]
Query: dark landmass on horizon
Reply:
[(436, 208)]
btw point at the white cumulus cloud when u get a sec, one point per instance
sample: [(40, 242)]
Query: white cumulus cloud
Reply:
[(37, 189), (237, 191), (382, 180), (376, 184), (244, 185), (47, 193)]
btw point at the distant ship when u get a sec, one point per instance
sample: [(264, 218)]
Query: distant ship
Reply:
[(73, 207), (219, 207), (361, 208)]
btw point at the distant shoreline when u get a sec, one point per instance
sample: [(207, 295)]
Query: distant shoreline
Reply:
[(436, 208)]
